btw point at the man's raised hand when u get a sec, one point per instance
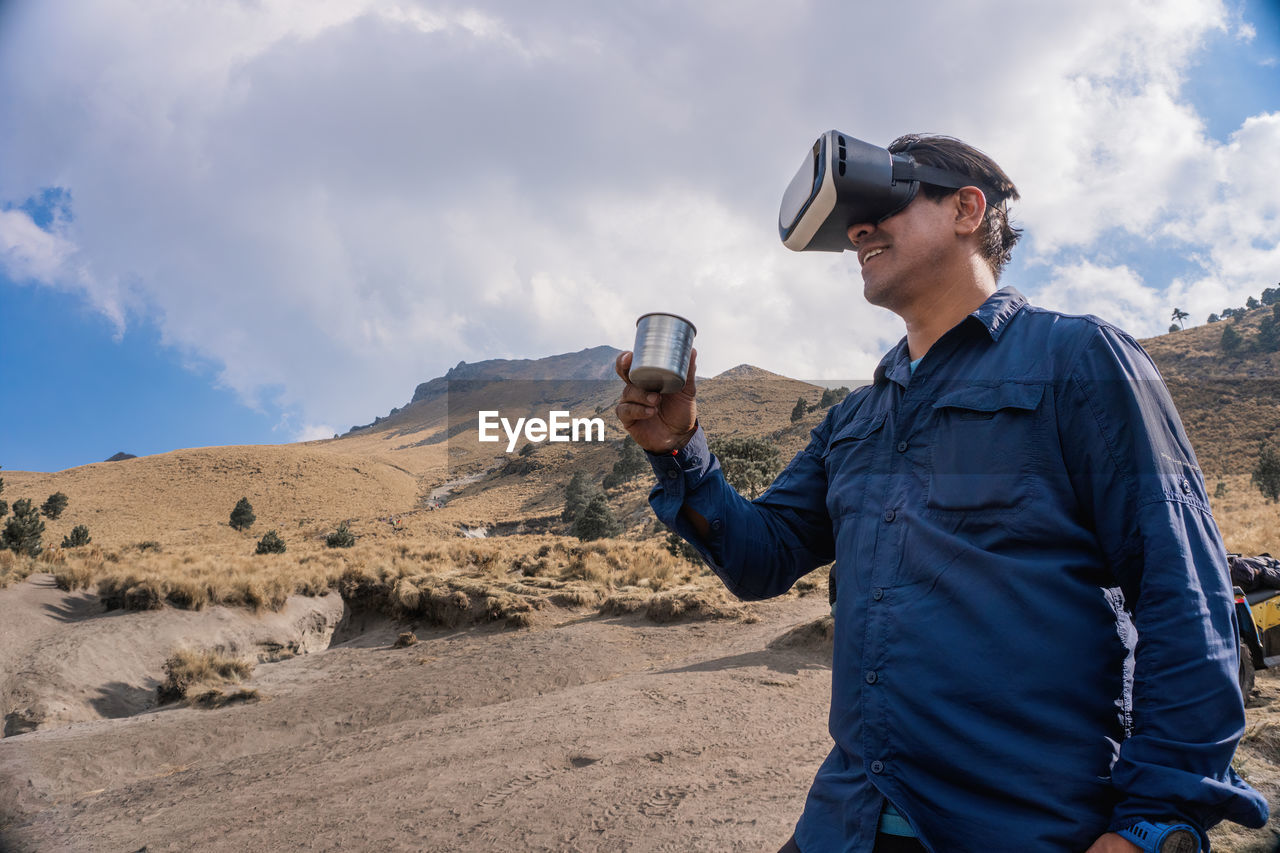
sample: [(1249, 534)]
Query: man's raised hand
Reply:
[(660, 423)]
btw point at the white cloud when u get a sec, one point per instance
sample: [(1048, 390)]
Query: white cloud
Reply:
[(337, 200), (315, 432), (1114, 293)]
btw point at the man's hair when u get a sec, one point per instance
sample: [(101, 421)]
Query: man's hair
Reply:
[(998, 236)]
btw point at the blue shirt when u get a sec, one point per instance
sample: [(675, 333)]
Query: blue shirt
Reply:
[(1009, 525)]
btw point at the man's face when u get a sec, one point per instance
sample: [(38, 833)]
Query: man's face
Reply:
[(903, 256)]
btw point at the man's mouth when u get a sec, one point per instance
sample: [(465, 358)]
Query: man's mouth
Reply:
[(871, 254)]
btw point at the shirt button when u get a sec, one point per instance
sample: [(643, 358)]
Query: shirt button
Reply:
[(889, 515), (877, 593), (672, 474), (1186, 487), (716, 525), (902, 446), (871, 677), (877, 766)]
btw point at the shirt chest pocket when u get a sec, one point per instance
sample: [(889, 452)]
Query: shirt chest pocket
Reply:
[(848, 460), (987, 444)]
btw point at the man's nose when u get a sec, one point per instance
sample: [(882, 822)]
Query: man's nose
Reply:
[(860, 231)]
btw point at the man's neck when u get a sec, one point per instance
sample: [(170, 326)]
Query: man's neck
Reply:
[(939, 309)]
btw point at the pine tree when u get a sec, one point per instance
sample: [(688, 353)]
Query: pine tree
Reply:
[(22, 532), (831, 396), (4, 505), (1266, 475), (596, 521), (54, 505), (576, 497), (341, 538), (799, 411), (1232, 341), (79, 536), (270, 543), (242, 517), (626, 468)]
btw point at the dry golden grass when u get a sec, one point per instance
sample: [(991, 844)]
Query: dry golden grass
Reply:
[(1249, 523), (200, 676), (447, 583)]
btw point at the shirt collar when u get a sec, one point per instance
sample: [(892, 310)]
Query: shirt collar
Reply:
[(993, 315), (998, 310)]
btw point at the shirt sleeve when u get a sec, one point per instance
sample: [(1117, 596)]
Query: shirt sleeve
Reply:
[(1137, 482), (758, 548)]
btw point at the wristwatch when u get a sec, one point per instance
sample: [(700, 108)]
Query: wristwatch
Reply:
[(1163, 837)]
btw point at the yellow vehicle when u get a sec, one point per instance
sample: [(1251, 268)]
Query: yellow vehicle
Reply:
[(1259, 616)]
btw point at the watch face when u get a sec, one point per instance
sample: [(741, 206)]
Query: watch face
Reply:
[(1181, 841)]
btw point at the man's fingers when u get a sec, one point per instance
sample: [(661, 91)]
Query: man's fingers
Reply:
[(636, 394), (629, 413), (622, 364)]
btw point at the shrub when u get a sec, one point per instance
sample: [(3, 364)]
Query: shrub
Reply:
[(4, 508), (1266, 474), (1269, 332), (680, 548), (190, 673), (79, 536), (800, 410), (271, 543), (632, 463), (54, 505), (831, 396), (596, 521), (341, 538), (22, 532), (242, 517), (749, 464)]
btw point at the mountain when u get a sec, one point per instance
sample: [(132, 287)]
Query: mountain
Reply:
[(1229, 402), (592, 363)]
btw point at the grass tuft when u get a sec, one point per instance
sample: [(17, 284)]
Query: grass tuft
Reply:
[(192, 674)]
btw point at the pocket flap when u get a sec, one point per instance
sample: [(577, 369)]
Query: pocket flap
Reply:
[(858, 428), (992, 398)]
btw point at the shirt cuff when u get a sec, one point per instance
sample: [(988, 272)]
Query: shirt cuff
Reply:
[(680, 472)]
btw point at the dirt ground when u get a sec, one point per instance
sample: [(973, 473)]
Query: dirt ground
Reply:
[(591, 734)]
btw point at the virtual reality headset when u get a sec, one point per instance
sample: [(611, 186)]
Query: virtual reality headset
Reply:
[(844, 181)]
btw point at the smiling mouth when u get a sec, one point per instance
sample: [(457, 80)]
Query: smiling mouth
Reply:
[(873, 253)]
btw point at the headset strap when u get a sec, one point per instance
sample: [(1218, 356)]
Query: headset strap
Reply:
[(909, 170)]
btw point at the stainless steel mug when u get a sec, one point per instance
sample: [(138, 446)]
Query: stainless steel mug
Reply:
[(660, 361)]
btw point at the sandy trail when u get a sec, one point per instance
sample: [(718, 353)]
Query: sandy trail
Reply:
[(588, 734), (598, 734)]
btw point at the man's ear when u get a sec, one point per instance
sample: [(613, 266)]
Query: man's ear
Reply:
[(970, 207)]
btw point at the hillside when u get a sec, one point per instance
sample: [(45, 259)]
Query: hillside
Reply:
[(1229, 404)]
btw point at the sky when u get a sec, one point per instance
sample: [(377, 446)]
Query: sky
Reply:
[(260, 222)]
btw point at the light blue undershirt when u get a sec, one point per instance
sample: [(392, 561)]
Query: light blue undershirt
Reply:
[(916, 363)]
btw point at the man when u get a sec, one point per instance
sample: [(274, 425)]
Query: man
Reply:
[(1035, 643)]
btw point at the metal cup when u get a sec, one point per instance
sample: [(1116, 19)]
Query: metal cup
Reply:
[(660, 361)]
